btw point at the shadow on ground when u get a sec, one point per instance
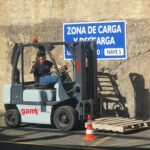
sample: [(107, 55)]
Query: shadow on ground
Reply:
[(24, 142), (9, 146)]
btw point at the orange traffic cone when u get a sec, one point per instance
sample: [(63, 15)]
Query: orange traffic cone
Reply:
[(89, 130)]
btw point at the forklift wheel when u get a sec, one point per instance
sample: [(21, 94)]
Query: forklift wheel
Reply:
[(12, 118), (65, 118)]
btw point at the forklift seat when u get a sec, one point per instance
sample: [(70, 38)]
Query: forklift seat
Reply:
[(44, 86), (33, 85)]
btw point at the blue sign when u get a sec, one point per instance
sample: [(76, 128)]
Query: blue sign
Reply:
[(110, 37)]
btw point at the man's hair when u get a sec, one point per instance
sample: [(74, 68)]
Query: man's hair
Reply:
[(41, 54)]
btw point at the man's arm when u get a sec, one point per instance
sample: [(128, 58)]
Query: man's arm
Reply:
[(60, 66), (51, 65), (32, 67)]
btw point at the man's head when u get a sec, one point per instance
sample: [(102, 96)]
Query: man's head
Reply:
[(41, 58)]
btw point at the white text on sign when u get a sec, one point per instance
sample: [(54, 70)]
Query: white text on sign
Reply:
[(113, 51), (74, 30)]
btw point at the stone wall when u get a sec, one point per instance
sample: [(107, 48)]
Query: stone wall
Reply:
[(20, 19)]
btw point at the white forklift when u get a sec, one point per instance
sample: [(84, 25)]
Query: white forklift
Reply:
[(65, 104)]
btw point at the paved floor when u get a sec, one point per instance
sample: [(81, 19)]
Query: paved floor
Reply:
[(30, 137)]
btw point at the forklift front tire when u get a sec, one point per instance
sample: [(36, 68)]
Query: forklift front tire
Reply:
[(12, 118), (65, 118)]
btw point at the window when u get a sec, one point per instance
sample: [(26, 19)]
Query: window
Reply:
[(29, 54)]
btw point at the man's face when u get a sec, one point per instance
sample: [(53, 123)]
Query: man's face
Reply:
[(42, 59)]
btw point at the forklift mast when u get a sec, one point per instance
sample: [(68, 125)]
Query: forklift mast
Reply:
[(85, 68)]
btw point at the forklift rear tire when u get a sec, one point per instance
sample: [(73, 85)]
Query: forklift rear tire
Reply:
[(12, 118), (65, 118)]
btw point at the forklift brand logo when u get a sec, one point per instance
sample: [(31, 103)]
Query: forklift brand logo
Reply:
[(30, 111)]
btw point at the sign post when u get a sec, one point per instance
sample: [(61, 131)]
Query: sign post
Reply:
[(110, 37)]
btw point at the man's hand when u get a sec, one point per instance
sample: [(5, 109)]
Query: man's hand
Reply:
[(33, 63), (60, 66)]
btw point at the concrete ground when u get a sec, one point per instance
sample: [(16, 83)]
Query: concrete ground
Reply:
[(43, 137)]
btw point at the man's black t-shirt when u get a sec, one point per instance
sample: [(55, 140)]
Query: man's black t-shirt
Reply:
[(42, 69)]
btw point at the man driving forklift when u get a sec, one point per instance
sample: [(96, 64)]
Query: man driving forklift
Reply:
[(41, 68)]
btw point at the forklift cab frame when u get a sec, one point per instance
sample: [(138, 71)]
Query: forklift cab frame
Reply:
[(18, 51)]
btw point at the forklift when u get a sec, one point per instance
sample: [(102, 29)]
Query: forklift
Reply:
[(65, 104)]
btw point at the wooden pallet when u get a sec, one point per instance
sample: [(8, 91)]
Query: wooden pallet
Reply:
[(119, 124)]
